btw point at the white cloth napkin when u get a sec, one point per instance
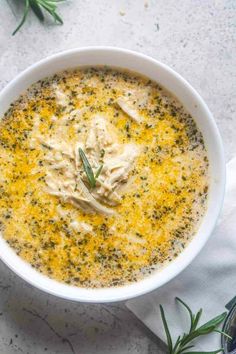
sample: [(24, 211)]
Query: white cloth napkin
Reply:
[(208, 283)]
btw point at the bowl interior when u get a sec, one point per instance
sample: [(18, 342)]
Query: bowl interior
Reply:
[(194, 105)]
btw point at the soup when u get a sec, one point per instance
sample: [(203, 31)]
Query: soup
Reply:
[(104, 177)]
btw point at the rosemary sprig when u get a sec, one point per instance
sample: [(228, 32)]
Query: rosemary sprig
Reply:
[(184, 342), (88, 169), (37, 6)]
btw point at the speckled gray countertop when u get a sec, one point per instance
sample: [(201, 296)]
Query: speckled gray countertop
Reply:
[(197, 39)]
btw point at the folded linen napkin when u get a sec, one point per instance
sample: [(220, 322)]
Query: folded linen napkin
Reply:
[(208, 283)]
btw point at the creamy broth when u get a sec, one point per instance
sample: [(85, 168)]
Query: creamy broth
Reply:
[(135, 205)]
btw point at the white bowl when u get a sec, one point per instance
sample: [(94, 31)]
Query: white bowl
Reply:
[(195, 106)]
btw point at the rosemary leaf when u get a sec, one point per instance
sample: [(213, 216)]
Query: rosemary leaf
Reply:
[(26, 11), (57, 18), (197, 319), (87, 168), (189, 311), (99, 171), (168, 336), (215, 322), (37, 10), (223, 333), (214, 352)]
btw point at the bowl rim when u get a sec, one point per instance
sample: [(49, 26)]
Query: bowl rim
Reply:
[(106, 295)]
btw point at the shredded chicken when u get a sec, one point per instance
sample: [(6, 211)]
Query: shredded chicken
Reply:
[(61, 97), (58, 146), (125, 105), (81, 227), (67, 180), (133, 239), (92, 201)]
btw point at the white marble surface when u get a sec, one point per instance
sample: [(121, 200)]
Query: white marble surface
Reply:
[(196, 38)]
